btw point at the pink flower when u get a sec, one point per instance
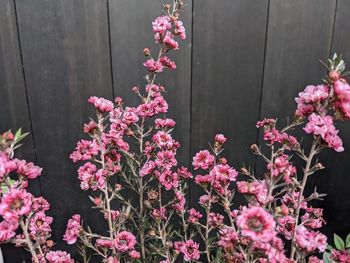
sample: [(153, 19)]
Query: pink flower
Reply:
[(134, 254), (107, 243), (281, 166), (222, 175), (314, 259), (166, 62), (90, 127), (309, 240), (203, 159), (130, 116), (180, 29), (220, 138), (170, 42), (341, 256), (169, 179), (163, 140), (40, 204), (28, 170), (228, 238), (190, 250), (257, 224), (161, 24), (286, 226), (15, 203), (342, 90), (147, 168), (184, 173), (86, 176), (159, 214), (39, 226), (257, 189), (323, 126), (85, 150), (153, 66), (215, 220), (181, 201), (164, 123), (309, 100), (58, 257), (6, 165), (7, 230), (125, 241), (166, 159), (194, 215), (73, 230), (101, 104)]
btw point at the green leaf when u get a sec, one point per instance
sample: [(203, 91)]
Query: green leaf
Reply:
[(347, 241), (326, 257), (338, 242)]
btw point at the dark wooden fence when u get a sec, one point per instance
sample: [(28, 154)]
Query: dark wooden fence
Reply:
[(243, 60)]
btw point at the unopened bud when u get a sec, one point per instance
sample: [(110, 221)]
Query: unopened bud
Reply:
[(97, 201), (334, 75), (167, 6), (254, 148), (49, 243), (8, 136), (118, 187), (152, 233), (135, 89), (118, 100), (244, 170), (129, 132), (223, 160), (152, 195), (146, 52), (319, 166)]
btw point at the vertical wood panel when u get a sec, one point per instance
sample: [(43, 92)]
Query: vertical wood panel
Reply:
[(131, 32), (335, 178), (228, 51), (299, 34), (13, 103), (66, 60)]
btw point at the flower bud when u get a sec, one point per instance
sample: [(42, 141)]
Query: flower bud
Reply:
[(220, 138), (49, 243), (152, 233), (244, 170), (118, 100), (334, 75), (167, 6), (118, 187), (223, 160), (8, 136), (319, 166), (152, 195), (129, 132), (97, 201), (135, 89), (254, 148), (146, 52)]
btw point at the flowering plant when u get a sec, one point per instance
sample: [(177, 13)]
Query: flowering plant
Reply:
[(145, 204), (24, 220), (339, 253)]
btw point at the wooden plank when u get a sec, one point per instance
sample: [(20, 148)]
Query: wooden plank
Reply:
[(66, 59), (334, 178), (13, 103), (130, 34), (228, 52)]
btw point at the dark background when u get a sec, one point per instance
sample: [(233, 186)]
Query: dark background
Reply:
[(243, 60)]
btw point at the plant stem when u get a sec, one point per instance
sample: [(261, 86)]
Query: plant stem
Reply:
[(29, 241), (313, 151)]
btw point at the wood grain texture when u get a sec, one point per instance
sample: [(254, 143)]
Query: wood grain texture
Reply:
[(131, 32), (13, 102), (228, 52), (66, 59), (335, 178)]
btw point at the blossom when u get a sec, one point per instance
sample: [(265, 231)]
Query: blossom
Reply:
[(170, 42), (286, 226), (86, 175), (257, 224), (90, 127), (309, 100), (39, 226), (203, 159), (7, 230), (342, 90), (85, 150), (101, 104), (154, 65), (104, 243), (222, 175), (309, 240), (215, 219), (130, 116), (164, 123), (169, 179), (281, 166), (59, 257), (184, 173), (15, 203), (190, 250), (159, 214), (134, 254), (125, 241), (228, 238), (323, 126), (147, 168), (220, 138), (40, 204), (166, 159), (166, 62), (314, 259), (163, 139), (180, 29), (161, 24), (6, 165), (194, 215), (257, 189), (72, 230), (341, 256), (179, 205)]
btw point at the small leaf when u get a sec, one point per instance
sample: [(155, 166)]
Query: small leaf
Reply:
[(338, 242), (326, 257), (347, 242)]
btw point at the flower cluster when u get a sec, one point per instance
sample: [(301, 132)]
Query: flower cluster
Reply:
[(24, 220)]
